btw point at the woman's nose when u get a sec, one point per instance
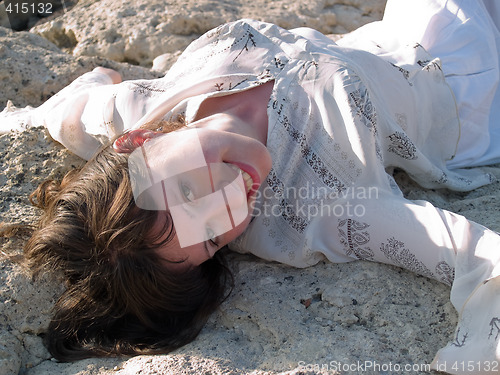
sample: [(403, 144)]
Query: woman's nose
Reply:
[(222, 174), (229, 181)]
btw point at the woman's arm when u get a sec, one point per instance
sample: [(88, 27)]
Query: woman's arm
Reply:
[(63, 113), (81, 116)]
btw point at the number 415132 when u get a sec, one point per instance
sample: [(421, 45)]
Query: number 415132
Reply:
[(31, 8)]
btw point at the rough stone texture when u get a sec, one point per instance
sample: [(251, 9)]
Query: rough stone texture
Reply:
[(139, 31), (278, 320), (33, 69)]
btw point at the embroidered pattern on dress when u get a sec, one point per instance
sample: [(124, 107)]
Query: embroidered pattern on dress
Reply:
[(215, 33), (265, 75), (460, 342), (465, 180), (296, 222), (445, 272), (312, 159), (147, 89), (402, 146), (429, 64), (494, 326), (247, 34), (353, 236), (396, 251), (443, 179), (306, 69), (362, 106), (279, 63), (250, 41), (378, 151), (404, 72), (220, 85)]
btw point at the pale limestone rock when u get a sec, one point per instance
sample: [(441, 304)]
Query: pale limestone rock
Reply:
[(357, 311), (11, 350), (33, 69), (139, 31)]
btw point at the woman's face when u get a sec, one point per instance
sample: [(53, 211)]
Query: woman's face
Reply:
[(205, 176)]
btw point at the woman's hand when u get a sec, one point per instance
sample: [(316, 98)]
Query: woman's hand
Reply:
[(113, 74)]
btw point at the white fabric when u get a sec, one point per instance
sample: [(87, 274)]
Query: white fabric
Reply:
[(339, 118), (464, 37)]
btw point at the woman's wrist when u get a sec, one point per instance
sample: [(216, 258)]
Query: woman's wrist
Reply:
[(111, 73)]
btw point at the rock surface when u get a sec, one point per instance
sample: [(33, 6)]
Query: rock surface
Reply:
[(32, 69), (139, 31), (279, 320)]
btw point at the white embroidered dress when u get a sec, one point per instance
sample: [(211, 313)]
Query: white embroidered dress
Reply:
[(339, 120)]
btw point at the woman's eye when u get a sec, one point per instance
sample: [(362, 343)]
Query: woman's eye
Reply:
[(186, 191)]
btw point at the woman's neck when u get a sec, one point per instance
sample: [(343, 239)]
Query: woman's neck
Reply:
[(250, 106)]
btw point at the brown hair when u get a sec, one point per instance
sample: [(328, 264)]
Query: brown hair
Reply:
[(121, 299)]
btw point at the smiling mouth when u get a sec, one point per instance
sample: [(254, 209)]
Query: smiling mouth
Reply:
[(246, 177)]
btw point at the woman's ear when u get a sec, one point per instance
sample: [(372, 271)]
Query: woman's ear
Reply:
[(129, 141)]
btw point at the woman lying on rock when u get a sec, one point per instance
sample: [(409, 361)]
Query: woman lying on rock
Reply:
[(278, 143)]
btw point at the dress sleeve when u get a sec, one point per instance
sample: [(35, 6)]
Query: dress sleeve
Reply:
[(86, 114), (83, 115)]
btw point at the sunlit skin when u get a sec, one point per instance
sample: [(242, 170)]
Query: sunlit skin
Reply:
[(231, 129), (113, 74)]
